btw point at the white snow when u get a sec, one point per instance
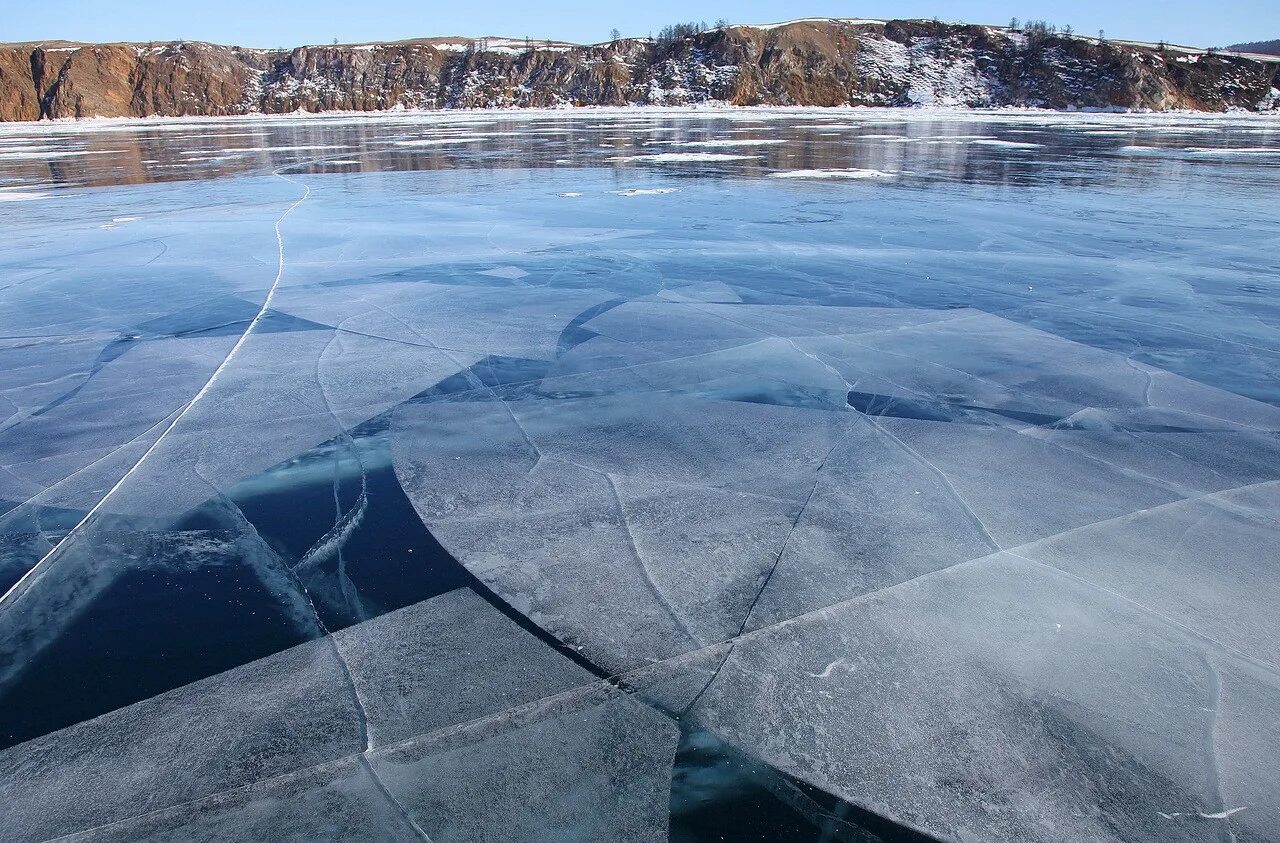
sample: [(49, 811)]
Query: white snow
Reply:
[(439, 141), (43, 154), (1209, 150), (1216, 815), (645, 191), (851, 21), (511, 273), (730, 142), (850, 173), (831, 668), (683, 157), (1006, 144)]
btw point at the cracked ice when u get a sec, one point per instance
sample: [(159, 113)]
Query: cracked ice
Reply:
[(910, 472)]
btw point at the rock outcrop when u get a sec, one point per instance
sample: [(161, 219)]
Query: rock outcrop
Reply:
[(18, 99), (825, 62)]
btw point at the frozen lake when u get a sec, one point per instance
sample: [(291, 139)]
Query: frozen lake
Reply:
[(869, 475)]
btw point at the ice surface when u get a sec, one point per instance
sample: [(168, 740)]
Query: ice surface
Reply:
[(309, 714), (544, 506), (450, 660), (1245, 739), (339, 801), (954, 507), (832, 174), (591, 765), (718, 142), (935, 444), (990, 701), (1006, 144), (686, 157), (290, 711), (1205, 563), (1057, 490)]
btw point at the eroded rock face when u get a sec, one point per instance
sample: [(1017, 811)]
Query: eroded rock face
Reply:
[(810, 63), (90, 82), (196, 79), (17, 88), (123, 80)]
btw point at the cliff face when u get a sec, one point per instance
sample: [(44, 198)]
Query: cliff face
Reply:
[(815, 63), (18, 99), (123, 80)]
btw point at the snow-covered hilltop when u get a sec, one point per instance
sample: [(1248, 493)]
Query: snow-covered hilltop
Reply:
[(815, 62)]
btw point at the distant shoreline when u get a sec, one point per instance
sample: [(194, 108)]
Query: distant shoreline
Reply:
[(804, 63), (569, 112)]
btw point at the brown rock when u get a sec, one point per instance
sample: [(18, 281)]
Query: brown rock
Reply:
[(91, 81), (810, 63), (18, 100)]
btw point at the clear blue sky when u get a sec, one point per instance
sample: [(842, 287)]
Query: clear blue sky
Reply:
[(273, 23)]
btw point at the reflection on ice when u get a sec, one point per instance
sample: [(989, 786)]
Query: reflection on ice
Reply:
[(706, 504)]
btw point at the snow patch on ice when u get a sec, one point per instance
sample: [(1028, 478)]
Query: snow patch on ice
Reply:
[(1210, 150), (733, 142), (509, 272), (1007, 144), (683, 157), (438, 141), (850, 173), (645, 191), (40, 154), (1216, 815)]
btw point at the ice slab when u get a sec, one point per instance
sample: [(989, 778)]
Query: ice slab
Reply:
[(107, 408), (339, 801), (287, 712), (533, 495), (633, 532), (1054, 490), (590, 765), (226, 588), (998, 700), (1191, 463), (449, 660), (1207, 564), (1028, 362), (878, 514), (772, 371), (422, 669), (978, 370), (1245, 739)]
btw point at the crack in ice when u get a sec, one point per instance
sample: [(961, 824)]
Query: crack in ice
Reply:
[(37, 570)]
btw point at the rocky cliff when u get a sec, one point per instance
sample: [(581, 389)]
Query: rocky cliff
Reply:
[(824, 62)]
